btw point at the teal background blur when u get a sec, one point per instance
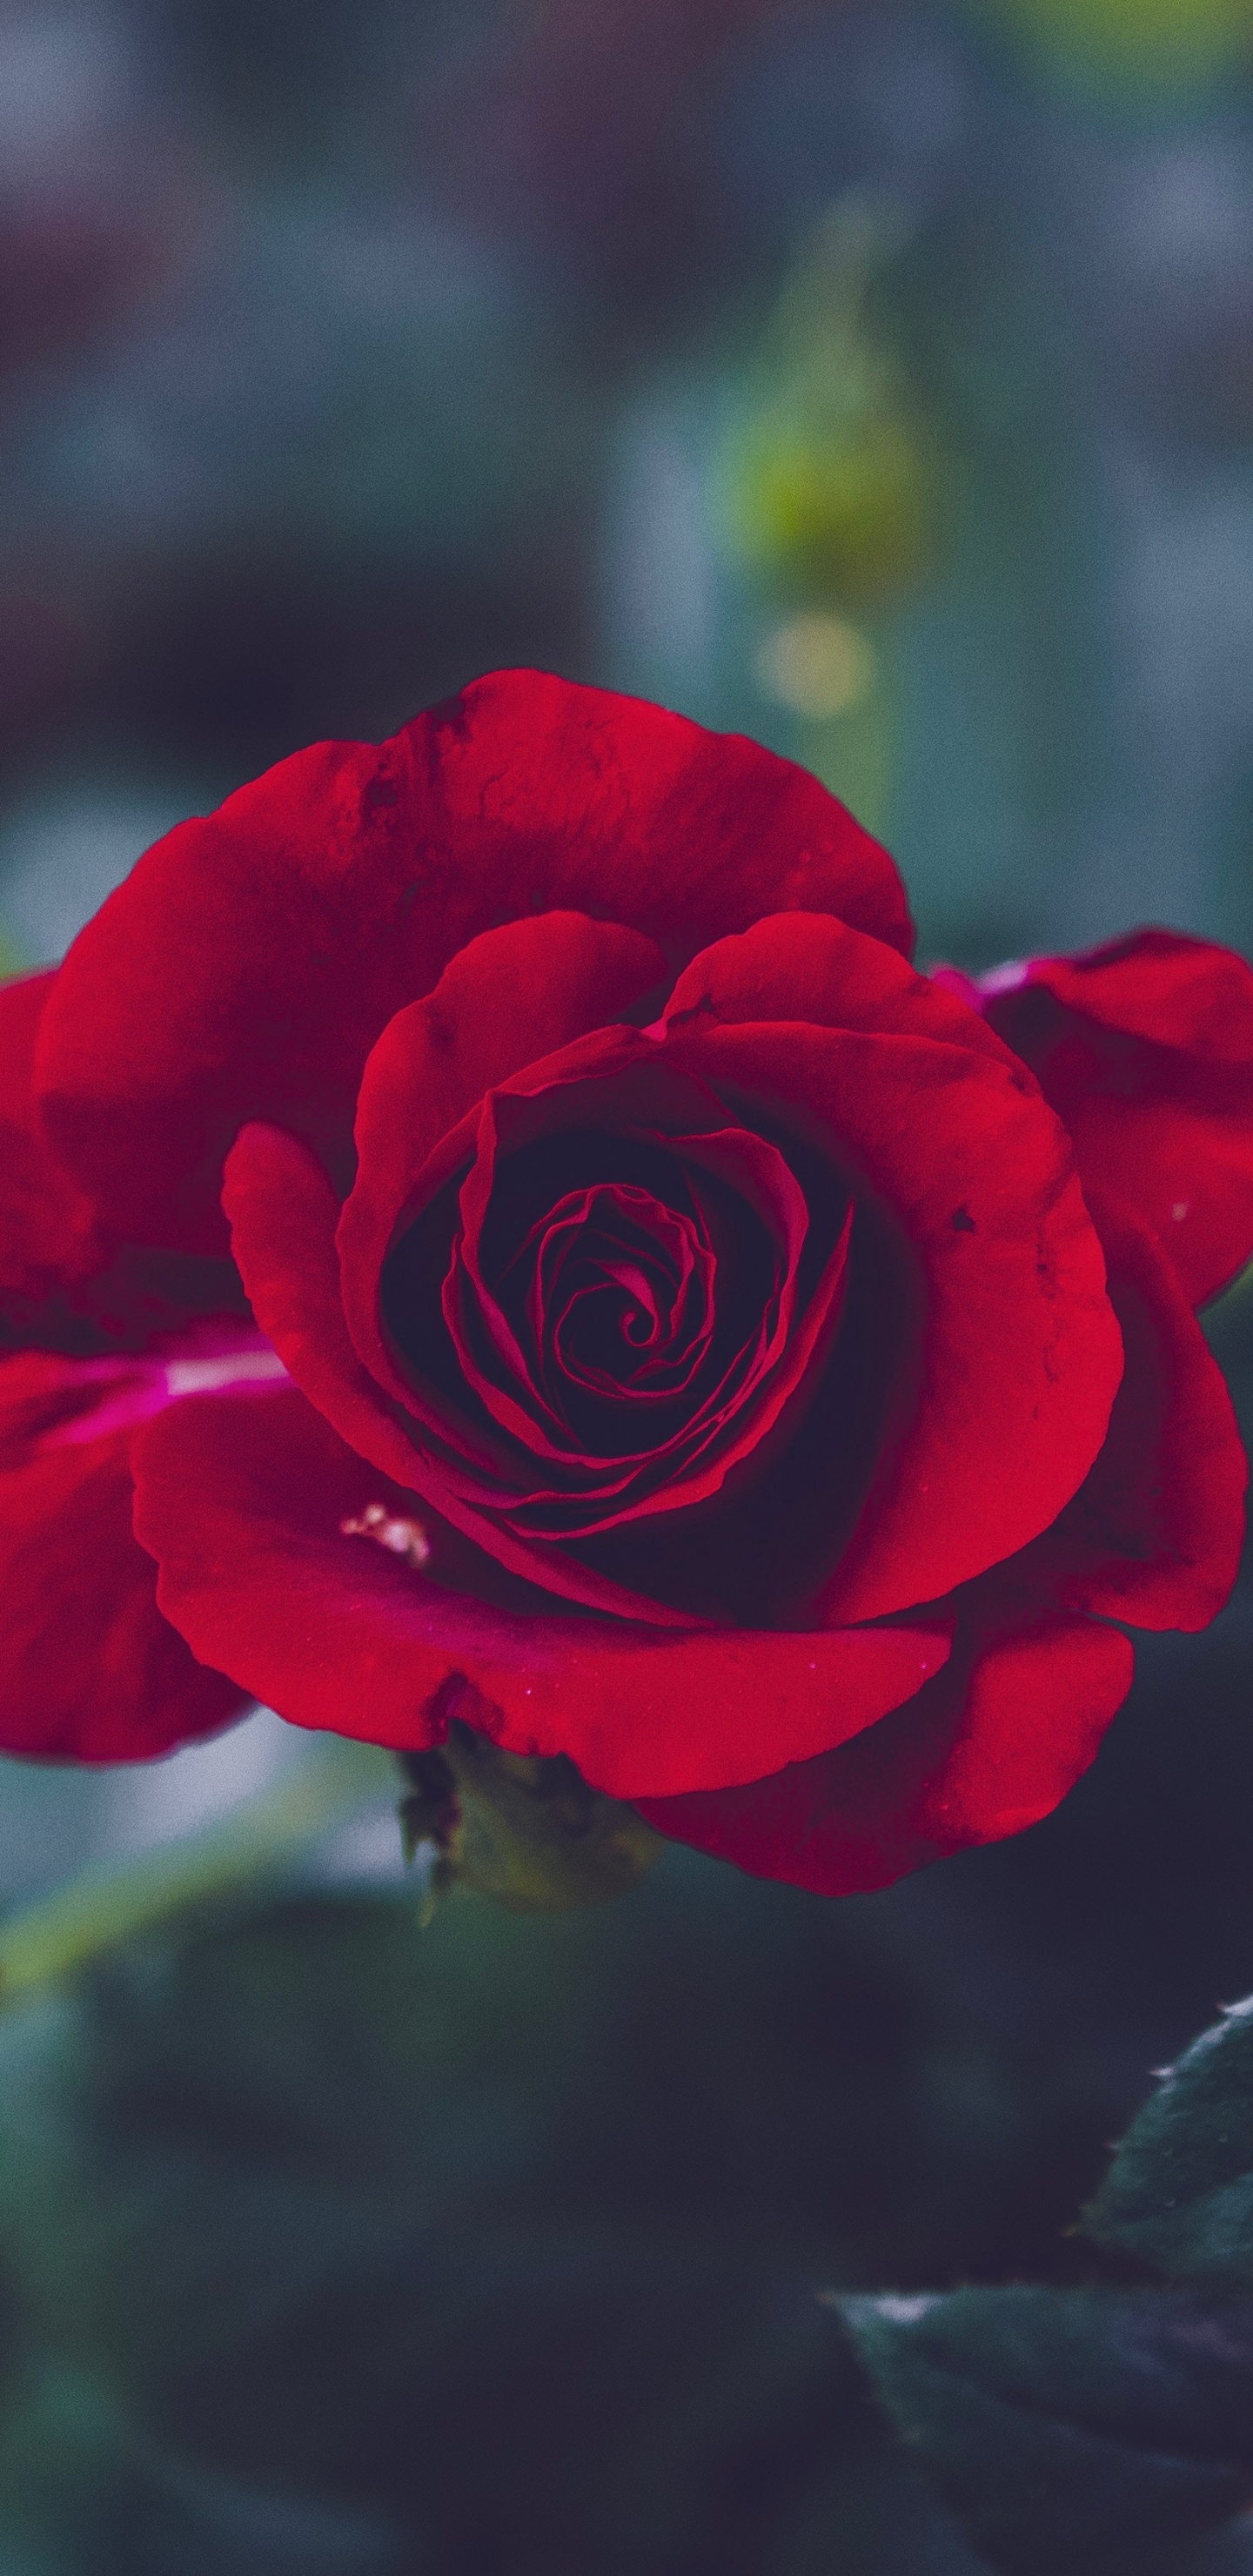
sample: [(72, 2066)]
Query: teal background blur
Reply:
[(875, 379)]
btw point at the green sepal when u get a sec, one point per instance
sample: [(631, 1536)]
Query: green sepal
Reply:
[(527, 1831)]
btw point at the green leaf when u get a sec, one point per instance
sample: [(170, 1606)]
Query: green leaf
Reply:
[(507, 2228), (207, 2123), (1069, 2428), (1179, 2192), (270, 2182), (70, 2500), (81, 2496)]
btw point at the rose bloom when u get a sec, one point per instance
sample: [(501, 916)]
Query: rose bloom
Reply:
[(494, 1228)]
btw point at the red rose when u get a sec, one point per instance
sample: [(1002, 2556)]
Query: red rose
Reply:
[(676, 1334)]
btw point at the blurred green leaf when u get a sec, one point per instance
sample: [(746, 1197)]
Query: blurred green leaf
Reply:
[(1179, 2192), (81, 2494), (250, 2187), (504, 2231), (1085, 2429), (115, 1899), (69, 2490), (209, 2123)]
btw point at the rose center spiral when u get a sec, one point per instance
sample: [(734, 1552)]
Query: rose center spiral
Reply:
[(613, 1290), (602, 1322)]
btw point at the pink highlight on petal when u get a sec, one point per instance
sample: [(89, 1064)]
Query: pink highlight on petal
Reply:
[(118, 1394), (1009, 978), (978, 990), (952, 979)]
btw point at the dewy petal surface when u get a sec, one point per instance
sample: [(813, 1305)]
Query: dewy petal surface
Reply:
[(252, 959), (243, 1508)]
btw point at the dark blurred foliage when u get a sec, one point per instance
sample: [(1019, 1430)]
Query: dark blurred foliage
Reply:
[(334, 2241), (343, 354)]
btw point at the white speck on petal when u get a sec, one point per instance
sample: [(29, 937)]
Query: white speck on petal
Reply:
[(403, 1538)]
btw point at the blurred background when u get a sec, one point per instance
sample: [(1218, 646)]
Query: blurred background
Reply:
[(876, 379)]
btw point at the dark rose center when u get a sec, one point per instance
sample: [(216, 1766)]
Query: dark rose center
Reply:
[(613, 1290), (601, 1325)]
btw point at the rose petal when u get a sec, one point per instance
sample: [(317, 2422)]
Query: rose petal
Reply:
[(63, 1285), (612, 1080), (511, 998), (1153, 1535), (615, 1080), (48, 1234), (651, 1275), (998, 1394), (89, 1669), (989, 1747), (1145, 1048), (1002, 1404), (244, 1509), (251, 960), (123, 1389), (805, 966), (283, 1213), (608, 1249)]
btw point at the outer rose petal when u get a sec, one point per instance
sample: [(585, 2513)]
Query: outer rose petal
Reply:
[(48, 1234), (63, 1286), (1153, 1535), (250, 961), (89, 1669), (990, 1746), (243, 1506), (1145, 1048)]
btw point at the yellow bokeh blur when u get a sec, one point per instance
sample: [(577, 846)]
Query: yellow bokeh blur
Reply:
[(832, 477), (1154, 40), (845, 512)]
